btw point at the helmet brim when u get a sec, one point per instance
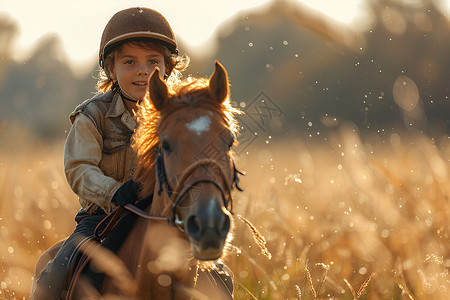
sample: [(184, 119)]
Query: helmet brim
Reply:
[(171, 44)]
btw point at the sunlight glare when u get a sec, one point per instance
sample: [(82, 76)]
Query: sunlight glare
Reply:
[(342, 11)]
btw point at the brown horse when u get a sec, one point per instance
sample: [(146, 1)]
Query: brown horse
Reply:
[(185, 136)]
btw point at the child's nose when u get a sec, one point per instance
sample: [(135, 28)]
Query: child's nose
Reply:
[(143, 70)]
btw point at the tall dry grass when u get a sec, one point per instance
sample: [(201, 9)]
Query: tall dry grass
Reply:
[(348, 219), (37, 208), (344, 218)]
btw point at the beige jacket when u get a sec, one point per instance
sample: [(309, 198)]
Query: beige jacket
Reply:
[(97, 154)]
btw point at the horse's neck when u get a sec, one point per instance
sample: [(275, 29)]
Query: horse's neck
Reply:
[(133, 249), (164, 252), (166, 258), (160, 205)]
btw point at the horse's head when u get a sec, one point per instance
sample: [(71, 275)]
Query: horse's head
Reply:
[(194, 165)]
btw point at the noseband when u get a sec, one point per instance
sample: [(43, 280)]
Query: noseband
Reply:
[(184, 185)]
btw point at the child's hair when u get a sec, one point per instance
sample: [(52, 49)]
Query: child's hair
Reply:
[(174, 63)]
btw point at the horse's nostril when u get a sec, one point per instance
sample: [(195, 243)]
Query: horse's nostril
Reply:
[(193, 227), (225, 226)]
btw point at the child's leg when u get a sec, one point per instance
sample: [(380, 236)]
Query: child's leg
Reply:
[(51, 281), (42, 262)]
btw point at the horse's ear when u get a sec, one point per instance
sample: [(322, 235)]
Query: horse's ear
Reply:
[(218, 83), (157, 90)]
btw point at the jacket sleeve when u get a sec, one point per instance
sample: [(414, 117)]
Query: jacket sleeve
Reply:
[(82, 155)]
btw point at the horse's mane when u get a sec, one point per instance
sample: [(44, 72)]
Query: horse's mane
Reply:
[(187, 93)]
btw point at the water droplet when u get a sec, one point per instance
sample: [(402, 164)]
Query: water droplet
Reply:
[(47, 224), (55, 185), (18, 191)]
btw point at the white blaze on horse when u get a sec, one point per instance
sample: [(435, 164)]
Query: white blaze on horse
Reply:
[(184, 159)]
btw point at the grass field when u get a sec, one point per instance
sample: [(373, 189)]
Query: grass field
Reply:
[(344, 218)]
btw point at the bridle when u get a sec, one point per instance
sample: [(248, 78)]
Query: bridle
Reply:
[(185, 184), (177, 194)]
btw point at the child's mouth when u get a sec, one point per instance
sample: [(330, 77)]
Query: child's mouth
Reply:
[(140, 83)]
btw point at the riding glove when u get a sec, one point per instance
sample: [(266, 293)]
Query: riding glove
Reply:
[(127, 193)]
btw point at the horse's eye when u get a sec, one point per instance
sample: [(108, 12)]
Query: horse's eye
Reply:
[(166, 147)]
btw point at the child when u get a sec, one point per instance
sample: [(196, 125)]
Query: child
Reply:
[(98, 159)]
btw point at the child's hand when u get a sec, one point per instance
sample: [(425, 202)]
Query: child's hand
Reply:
[(126, 194)]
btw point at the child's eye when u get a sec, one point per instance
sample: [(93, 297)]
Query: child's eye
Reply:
[(153, 61), (128, 62)]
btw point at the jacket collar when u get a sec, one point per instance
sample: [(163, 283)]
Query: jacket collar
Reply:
[(118, 108)]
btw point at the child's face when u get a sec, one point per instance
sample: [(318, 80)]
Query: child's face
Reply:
[(132, 68)]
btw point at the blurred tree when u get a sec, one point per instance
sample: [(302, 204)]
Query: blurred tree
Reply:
[(322, 73), (41, 92), (8, 31), (410, 38)]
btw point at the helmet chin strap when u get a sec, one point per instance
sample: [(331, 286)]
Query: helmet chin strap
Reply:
[(128, 97), (116, 88)]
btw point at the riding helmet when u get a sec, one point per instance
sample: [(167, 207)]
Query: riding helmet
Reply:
[(136, 22)]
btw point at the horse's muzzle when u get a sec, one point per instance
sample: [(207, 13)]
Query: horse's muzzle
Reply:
[(208, 227)]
